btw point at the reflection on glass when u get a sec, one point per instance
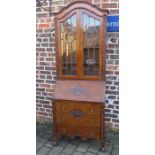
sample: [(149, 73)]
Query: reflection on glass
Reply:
[(73, 20), (85, 21), (68, 46), (91, 21), (91, 45)]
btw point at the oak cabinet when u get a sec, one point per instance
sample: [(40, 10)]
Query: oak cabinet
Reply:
[(78, 100)]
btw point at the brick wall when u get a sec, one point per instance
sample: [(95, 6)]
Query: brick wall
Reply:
[(46, 61)]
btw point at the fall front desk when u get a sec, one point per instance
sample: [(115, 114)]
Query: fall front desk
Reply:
[(79, 109)]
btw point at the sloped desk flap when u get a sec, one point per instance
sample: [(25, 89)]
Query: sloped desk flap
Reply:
[(79, 90)]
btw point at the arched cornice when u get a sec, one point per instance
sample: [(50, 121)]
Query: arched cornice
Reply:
[(81, 4)]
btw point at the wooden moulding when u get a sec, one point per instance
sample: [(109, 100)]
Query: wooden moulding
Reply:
[(80, 4)]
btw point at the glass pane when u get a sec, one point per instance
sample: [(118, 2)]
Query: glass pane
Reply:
[(91, 45), (68, 46), (85, 21)]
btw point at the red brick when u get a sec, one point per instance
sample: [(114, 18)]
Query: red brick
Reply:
[(43, 54), (96, 1), (49, 90), (107, 119), (112, 67), (39, 105), (116, 72), (42, 113), (105, 1), (116, 12), (42, 109), (40, 49), (108, 124), (109, 5), (114, 0), (43, 25), (47, 106), (49, 94), (45, 85), (109, 72), (38, 93), (113, 46)]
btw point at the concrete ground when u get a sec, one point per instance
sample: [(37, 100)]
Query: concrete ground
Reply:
[(74, 147)]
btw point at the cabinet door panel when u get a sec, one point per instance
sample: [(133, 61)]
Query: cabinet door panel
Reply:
[(91, 46), (68, 46)]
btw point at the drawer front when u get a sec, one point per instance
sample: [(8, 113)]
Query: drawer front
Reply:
[(88, 108), (87, 120), (75, 114), (83, 132)]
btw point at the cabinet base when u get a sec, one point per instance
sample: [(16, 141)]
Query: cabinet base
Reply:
[(56, 139)]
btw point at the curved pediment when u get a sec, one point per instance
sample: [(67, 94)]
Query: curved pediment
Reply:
[(80, 4)]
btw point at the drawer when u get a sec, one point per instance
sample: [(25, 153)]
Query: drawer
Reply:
[(86, 120), (75, 113), (83, 132), (87, 108)]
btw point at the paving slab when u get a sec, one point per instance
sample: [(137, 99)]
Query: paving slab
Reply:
[(38, 145), (49, 144), (108, 148), (48, 131), (115, 152), (55, 151), (69, 149), (104, 153), (95, 143), (63, 143), (116, 146), (48, 137), (76, 141), (93, 148), (107, 136), (43, 151), (42, 140), (78, 153), (89, 153), (63, 153), (83, 147)]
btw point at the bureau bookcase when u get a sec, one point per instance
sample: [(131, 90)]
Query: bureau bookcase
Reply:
[(78, 99)]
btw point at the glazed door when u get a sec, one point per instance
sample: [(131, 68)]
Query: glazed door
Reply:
[(91, 45), (68, 46), (80, 46)]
